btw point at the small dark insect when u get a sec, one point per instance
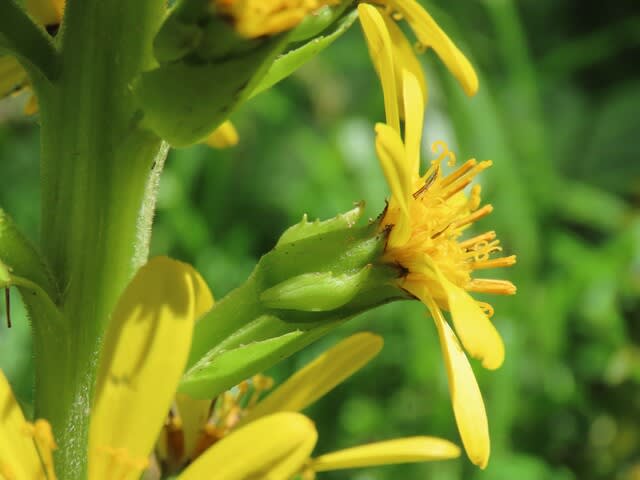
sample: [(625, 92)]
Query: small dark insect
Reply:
[(428, 182)]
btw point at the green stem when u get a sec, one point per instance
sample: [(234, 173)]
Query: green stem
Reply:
[(21, 37), (95, 166)]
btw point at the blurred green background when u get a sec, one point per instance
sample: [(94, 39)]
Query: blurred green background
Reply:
[(559, 113)]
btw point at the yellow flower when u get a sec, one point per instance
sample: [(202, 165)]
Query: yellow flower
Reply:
[(13, 78), (195, 425), (427, 215), (136, 383), (256, 18)]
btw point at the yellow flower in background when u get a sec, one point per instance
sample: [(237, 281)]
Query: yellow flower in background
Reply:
[(224, 136), (195, 425), (427, 216), (256, 18), (13, 78)]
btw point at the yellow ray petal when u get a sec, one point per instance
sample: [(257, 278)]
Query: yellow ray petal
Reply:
[(145, 350), (224, 136), (379, 43), (476, 332), (393, 159), (320, 376), (431, 35), (18, 455), (404, 58), (271, 448), (401, 450), (468, 406), (414, 119)]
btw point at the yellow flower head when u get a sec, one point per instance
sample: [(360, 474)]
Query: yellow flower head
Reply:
[(427, 217), (256, 18), (203, 424), (136, 382)]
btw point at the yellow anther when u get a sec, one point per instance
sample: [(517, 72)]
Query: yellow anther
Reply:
[(262, 382), (497, 287)]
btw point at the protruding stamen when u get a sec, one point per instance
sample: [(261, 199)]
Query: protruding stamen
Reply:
[(465, 179), (494, 263), (260, 383), (464, 168), (481, 251), (455, 188), (498, 287), (485, 237), (475, 216)]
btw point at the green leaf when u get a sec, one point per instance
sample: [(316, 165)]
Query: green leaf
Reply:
[(21, 258), (209, 377), (183, 102), (286, 64), (315, 292), (306, 229)]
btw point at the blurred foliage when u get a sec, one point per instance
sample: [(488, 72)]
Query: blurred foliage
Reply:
[(558, 113)]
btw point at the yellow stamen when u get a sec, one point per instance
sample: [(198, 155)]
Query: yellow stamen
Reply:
[(485, 237), (497, 287), (475, 216), (494, 263)]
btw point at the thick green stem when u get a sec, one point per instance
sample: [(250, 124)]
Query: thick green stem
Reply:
[(95, 165)]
